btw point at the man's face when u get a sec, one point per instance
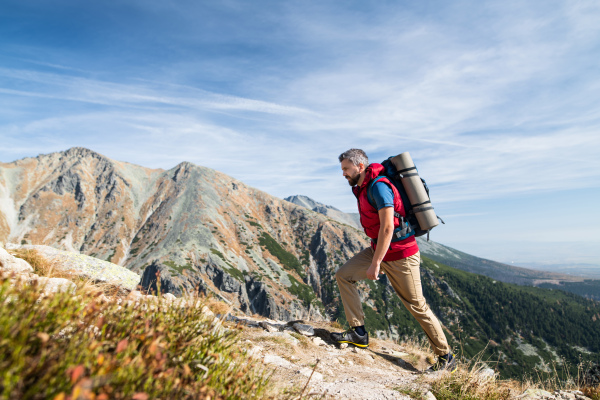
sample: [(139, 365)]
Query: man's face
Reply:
[(351, 172)]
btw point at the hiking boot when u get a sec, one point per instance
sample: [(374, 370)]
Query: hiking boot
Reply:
[(444, 363), (350, 336)]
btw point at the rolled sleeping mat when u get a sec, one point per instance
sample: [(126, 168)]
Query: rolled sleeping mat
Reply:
[(417, 195)]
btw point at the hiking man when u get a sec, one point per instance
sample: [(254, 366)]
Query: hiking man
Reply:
[(398, 259)]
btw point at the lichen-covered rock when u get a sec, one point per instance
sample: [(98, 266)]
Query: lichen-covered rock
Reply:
[(87, 267)]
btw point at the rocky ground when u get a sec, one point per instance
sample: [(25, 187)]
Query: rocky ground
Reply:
[(305, 362), (302, 360)]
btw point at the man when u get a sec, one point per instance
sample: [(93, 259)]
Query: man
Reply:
[(398, 258)]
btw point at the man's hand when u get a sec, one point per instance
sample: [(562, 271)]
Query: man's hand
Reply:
[(373, 271)]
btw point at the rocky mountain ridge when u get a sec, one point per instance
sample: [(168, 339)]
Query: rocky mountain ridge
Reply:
[(351, 219), (196, 228)]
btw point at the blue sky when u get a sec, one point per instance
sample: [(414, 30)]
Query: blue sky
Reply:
[(497, 101)]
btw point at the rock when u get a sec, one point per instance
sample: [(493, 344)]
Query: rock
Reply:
[(88, 267), (343, 346), (9, 263), (244, 321), (304, 329), (318, 341), (135, 295), (487, 373), (566, 395), (269, 327), (169, 297), (429, 396), (254, 351), (55, 285), (276, 360), (206, 311), (535, 393), (316, 376)]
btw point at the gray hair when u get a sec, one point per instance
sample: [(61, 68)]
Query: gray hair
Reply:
[(356, 156)]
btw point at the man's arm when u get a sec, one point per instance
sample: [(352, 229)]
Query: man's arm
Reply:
[(384, 238)]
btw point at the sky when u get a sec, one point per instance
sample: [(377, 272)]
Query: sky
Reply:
[(498, 102)]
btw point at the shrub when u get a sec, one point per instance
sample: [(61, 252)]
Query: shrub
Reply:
[(287, 259), (76, 347)]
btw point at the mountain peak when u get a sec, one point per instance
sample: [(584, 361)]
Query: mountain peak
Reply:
[(330, 211), (82, 152)]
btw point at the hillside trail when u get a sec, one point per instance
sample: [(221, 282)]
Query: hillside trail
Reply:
[(305, 362)]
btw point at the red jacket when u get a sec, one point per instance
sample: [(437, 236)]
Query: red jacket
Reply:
[(369, 216)]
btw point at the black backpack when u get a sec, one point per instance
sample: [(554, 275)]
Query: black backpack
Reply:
[(409, 225)]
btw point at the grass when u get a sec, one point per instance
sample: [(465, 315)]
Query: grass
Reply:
[(63, 346), (179, 268), (302, 291), (287, 259), (469, 383)]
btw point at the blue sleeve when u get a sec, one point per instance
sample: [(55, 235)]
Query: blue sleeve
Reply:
[(383, 195)]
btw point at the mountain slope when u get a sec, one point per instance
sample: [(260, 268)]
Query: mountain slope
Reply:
[(198, 230), (458, 259), (351, 219)]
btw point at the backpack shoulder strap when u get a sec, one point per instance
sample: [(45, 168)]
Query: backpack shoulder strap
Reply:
[(370, 197)]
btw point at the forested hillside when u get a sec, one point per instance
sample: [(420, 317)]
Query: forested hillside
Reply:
[(518, 327)]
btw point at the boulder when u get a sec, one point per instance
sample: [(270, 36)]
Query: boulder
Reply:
[(56, 285), (308, 372), (9, 263), (318, 341), (304, 329), (87, 267)]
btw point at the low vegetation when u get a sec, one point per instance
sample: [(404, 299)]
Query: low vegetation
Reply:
[(75, 346), (287, 259)]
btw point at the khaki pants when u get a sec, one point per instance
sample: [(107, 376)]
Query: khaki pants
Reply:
[(404, 276)]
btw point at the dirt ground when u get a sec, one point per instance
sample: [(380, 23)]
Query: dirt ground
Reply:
[(316, 367)]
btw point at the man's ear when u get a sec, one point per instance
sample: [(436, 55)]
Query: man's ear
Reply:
[(361, 167)]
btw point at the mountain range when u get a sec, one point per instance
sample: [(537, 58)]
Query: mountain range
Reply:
[(195, 230), (455, 258)]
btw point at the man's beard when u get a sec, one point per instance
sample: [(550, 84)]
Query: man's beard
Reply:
[(352, 181)]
